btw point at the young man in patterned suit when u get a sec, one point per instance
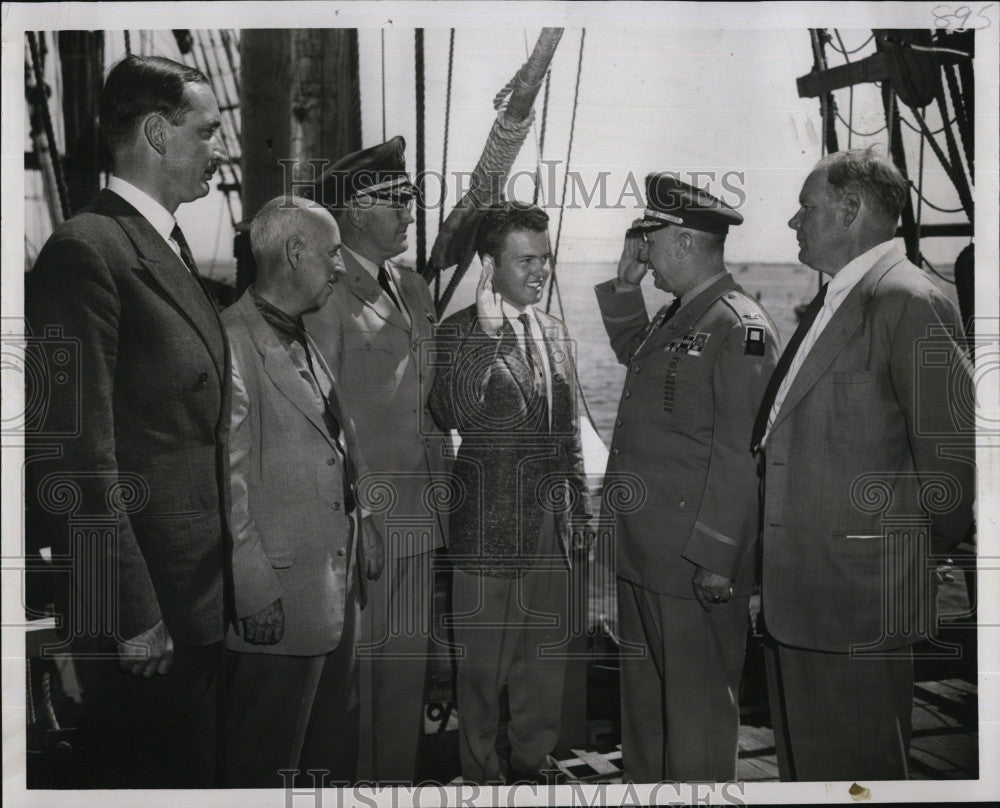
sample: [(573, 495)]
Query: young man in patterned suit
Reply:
[(507, 383)]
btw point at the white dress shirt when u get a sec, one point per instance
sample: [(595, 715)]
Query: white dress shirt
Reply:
[(836, 291), (161, 219), (511, 314)]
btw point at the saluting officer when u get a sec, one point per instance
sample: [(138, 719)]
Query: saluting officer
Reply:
[(685, 558)]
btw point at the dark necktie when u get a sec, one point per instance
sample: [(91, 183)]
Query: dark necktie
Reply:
[(383, 281), (332, 420), (186, 255), (671, 311), (188, 260), (808, 318)]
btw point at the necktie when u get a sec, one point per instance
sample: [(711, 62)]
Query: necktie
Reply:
[(671, 311), (383, 281), (188, 260), (531, 351), (331, 419), (808, 318), (186, 255)]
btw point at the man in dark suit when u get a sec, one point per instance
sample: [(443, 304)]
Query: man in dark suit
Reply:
[(867, 447), (685, 552), (147, 466), (293, 695), (373, 332), (507, 383)]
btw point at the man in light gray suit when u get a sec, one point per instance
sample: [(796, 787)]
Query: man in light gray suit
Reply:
[(293, 700), (867, 457)]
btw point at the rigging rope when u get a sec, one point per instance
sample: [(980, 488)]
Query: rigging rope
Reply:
[(919, 131), (569, 153), (128, 43), (447, 121), (962, 181), (444, 152), (227, 169), (929, 266), (842, 49), (852, 131), (850, 105), (42, 102), (541, 138), (930, 204), (418, 60), (965, 131), (383, 86)]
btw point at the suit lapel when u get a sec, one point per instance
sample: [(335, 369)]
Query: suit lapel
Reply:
[(687, 316), (171, 275), (842, 326), (279, 367), (560, 369), (366, 289)]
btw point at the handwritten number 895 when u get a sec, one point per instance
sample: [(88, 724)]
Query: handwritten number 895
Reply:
[(961, 18)]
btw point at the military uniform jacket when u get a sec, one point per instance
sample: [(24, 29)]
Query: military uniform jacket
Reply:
[(681, 482), (385, 370)]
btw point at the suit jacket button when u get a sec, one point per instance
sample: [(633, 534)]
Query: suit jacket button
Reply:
[(628, 394), (203, 378), (616, 451), (341, 551), (682, 504), (331, 461), (414, 345), (635, 368), (336, 506), (618, 422)]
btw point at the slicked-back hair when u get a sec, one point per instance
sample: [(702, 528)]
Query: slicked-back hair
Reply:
[(138, 86), (504, 218), (870, 175)]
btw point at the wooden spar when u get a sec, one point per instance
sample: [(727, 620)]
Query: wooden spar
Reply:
[(300, 101), (453, 243)]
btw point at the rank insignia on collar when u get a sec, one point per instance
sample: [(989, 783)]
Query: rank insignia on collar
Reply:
[(754, 344)]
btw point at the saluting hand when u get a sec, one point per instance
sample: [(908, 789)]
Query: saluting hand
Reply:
[(488, 302), (632, 265)]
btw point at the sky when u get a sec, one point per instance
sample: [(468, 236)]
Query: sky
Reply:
[(718, 106)]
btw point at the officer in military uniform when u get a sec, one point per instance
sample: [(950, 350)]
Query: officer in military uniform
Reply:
[(685, 551)]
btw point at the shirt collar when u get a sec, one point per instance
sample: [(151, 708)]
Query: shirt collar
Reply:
[(159, 217), (691, 294), (855, 270), (292, 326), (511, 312), (367, 264)]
